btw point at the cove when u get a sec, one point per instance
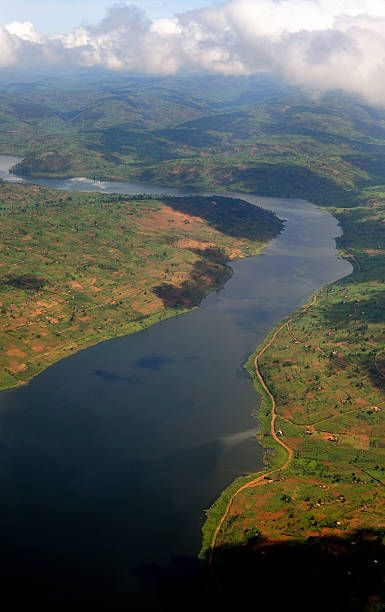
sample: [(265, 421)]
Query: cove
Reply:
[(109, 458)]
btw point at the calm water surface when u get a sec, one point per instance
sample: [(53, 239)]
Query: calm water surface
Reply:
[(109, 458)]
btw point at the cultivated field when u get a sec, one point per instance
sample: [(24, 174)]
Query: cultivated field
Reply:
[(326, 371), (78, 268)]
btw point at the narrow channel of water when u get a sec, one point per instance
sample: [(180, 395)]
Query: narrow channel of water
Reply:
[(109, 458)]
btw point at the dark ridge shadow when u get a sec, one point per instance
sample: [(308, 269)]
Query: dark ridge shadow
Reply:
[(331, 573), (371, 163), (353, 318), (359, 313), (231, 216), (45, 162), (185, 585), (325, 573), (210, 272), (291, 181), (27, 282), (377, 376)]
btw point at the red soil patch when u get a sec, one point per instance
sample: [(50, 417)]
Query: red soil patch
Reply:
[(166, 217), (37, 346), (52, 320), (296, 442), (186, 243), (19, 321), (15, 352), (36, 312), (16, 368), (359, 401), (75, 285)]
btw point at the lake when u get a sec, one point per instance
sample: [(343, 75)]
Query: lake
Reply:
[(110, 457)]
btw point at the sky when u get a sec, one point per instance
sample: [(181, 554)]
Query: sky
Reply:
[(318, 44), (50, 16)]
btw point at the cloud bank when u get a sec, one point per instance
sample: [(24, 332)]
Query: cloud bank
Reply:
[(321, 44)]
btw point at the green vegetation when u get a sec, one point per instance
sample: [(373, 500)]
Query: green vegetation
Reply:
[(223, 133), (79, 268), (150, 259), (326, 370)]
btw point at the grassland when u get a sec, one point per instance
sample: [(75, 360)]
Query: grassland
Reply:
[(251, 135), (78, 268), (326, 371)]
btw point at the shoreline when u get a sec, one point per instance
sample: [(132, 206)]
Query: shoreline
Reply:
[(125, 329), (73, 349), (222, 505), (133, 327), (217, 514)]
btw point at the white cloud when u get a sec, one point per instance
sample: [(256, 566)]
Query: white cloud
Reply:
[(322, 44), (24, 30)]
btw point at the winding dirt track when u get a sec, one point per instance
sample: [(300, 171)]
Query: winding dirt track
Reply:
[(261, 478)]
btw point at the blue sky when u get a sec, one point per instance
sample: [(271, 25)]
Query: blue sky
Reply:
[(63, 15)]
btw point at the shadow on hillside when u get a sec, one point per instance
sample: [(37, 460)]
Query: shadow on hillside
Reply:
[(356, 314), (292, 181), (207, 273), (338, 575), (354, 318), (233, 217), (322, 574)]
